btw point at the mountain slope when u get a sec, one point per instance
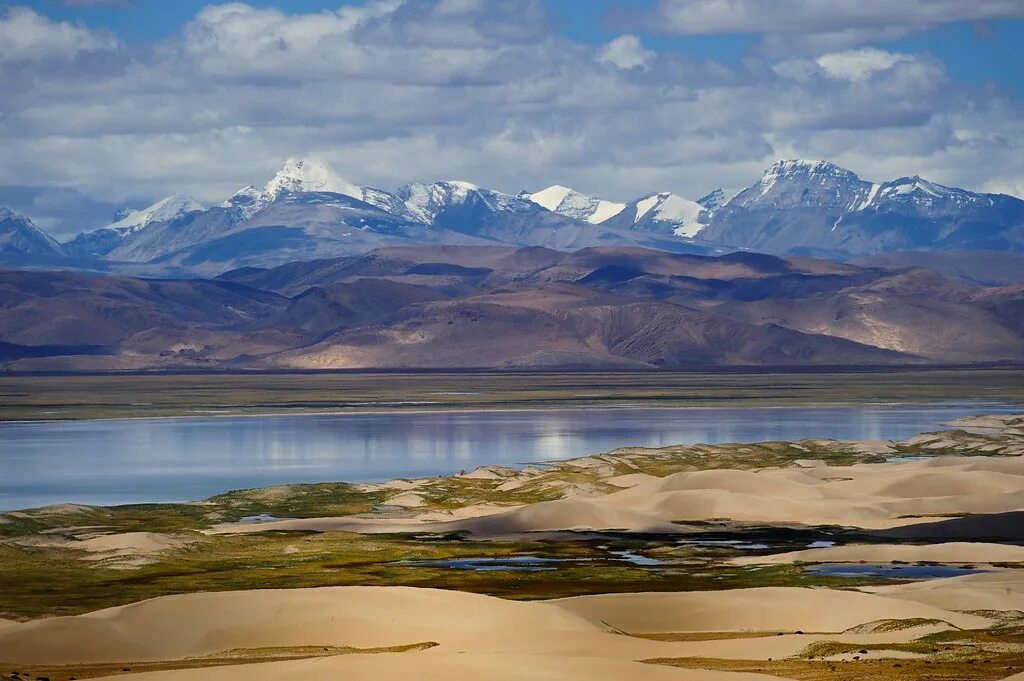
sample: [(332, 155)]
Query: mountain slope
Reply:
[(19, 237), (102, 241), (495, 306), (980, 268)]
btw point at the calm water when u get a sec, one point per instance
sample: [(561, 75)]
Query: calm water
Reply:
[(126, 461), (907, 572)]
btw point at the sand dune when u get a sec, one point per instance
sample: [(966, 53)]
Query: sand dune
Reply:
[(954, 552), (566, 632), (201, 624), (871, 496), (990, 591), (565, 514), (867, 495), (761, 609)]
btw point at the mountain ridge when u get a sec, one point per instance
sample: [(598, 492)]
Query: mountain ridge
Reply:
[(308, 211)]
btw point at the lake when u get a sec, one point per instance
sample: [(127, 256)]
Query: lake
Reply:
[(121, 461)]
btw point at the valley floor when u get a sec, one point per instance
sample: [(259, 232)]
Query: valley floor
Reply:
[(817, 559), (97, 396)]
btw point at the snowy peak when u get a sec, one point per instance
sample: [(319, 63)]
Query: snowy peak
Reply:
[(309, 175), (549, 198), (571, 203), (164, 210), (797, 183), (824, 185), (296, 176), (819, 208), (668, 212), (424, 202), (917, 184)]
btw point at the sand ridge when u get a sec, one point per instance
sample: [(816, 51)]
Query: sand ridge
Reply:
[(870, 496), (988, 591)]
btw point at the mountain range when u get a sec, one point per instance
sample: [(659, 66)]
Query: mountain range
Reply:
[(309, 212), (500, 307)]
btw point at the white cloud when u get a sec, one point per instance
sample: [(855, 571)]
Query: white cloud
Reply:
[(859, 65), (626, 52), (27, 36), (392, 92)]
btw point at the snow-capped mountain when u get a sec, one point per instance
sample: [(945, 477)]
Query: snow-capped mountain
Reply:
[(20, 238), (571, 203), (102, 241), (818, 208), (170, 208), (307, 211), (296, 176)]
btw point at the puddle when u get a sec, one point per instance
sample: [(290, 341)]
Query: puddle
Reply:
[(908, 458), (726, 543), (261, 518), (635, 558), (903, 572)]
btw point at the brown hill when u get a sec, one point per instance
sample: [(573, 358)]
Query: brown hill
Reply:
[(501, 307)]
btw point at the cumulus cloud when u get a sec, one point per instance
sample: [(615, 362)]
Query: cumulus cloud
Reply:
[(626, 52), (27, 36), (417, 90)]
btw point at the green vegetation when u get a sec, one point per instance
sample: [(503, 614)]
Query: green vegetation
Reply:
[(46, 580), (989, 667), (824, 649)]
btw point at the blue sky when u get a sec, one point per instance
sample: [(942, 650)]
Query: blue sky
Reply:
[(112, 103)]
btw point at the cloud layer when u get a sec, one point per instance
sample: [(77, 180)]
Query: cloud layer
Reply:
[(398, 91), (792, 25)]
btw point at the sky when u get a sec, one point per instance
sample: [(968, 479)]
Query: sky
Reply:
[(113, 103)]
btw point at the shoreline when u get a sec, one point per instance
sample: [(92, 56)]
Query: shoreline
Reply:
[(948, 426), (509, 409)]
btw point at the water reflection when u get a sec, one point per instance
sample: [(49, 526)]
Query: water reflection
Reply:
[(123, 461)]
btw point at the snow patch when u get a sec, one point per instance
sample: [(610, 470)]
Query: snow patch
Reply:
[(551, 197), (164, 210), (643, 206)]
